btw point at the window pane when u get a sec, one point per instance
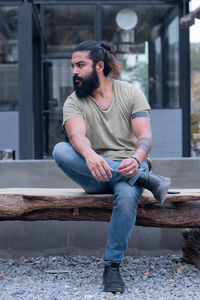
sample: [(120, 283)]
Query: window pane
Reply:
[(158, 72), (195, 98), (141, 33), (58, 86), (8, 59), (135, 69), (173, 57), (67, 25)]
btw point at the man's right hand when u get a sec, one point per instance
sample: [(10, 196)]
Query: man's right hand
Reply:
[(99, 168)]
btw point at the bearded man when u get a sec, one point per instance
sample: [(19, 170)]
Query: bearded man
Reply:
[(108, 125)]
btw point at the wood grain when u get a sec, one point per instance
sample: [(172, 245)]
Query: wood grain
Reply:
[(180, 210)]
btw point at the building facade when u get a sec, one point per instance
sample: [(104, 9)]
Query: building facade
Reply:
[(37, 38)]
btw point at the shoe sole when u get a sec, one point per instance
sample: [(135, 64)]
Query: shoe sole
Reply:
[(163, 190), (114, 290)]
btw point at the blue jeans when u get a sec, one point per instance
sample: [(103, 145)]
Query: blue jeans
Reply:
[(125, 199)]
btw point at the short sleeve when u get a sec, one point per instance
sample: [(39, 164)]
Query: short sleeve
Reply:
[(71, 108), (139, 100)]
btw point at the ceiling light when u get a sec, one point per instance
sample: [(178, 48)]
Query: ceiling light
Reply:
[(126, 19)]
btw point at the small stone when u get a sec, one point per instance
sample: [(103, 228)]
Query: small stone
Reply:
[(144, 278)]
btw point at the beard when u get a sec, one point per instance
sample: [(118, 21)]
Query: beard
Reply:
[(87, 85)]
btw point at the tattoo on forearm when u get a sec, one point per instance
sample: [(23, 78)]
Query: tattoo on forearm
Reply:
[(145, 144)]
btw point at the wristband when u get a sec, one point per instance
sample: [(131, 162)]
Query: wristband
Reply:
[(135, 158)]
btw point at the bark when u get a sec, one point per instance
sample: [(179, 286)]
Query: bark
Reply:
[(179, 210), (191, 246)]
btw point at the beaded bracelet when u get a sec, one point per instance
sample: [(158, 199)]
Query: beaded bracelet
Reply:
[(133, 157)]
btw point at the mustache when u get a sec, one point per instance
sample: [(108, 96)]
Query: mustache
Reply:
[(76, 77)]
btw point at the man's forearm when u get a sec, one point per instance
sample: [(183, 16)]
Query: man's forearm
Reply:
[(141, 125), (144, 143), (81, 144), (143, 147), (98, 167)]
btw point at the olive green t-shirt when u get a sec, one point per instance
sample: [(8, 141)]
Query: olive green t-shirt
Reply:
[(109, 130)]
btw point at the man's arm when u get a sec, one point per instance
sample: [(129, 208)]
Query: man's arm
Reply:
[(141, 125), (76, 131)]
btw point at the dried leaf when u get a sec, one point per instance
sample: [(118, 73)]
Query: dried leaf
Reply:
[(180, 269), (147, 273), (172, 280)]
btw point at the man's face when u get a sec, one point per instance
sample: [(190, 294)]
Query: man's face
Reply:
[(85, 78)]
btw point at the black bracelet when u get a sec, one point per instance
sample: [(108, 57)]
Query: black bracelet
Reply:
[(133, 157)]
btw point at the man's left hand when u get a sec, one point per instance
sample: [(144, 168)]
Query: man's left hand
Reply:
[(128, 167)]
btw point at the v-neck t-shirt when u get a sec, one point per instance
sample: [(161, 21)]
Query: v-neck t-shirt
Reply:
[(109, 130)]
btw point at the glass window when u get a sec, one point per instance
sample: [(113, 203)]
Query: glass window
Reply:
[(121, 25), (173, 58), (135, 69), (158, 73), (58, 86), (8, 59), (67, 25), (140, 33), (195, 98), (195, 83)]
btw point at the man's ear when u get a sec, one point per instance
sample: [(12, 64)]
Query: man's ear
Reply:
[(100, 66)]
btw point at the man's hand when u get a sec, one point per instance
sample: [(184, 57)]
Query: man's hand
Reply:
[(99, 168), (128, 167)]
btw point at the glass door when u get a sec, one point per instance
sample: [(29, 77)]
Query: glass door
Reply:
[(64, 27), (147, 42), (58, 85)]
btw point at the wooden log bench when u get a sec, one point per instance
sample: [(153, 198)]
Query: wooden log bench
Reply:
[(179, 210)]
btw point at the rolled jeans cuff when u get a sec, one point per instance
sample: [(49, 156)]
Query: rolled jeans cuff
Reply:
[(143, 167)]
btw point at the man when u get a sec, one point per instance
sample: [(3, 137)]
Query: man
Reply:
[(108, 125)]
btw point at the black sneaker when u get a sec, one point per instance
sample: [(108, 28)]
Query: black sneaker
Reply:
[(112, 279)]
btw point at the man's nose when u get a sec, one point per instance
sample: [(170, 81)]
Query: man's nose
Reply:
[(75, 71)]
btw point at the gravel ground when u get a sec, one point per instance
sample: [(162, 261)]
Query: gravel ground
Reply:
[(80, 277)]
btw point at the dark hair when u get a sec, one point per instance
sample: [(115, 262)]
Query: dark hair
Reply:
[(102, 51)]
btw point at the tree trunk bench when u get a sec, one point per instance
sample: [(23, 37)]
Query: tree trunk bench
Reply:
[(179, 210)]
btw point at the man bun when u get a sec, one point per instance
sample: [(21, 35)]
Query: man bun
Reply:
[(109, 47)]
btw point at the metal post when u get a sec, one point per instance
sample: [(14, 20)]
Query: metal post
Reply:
[(184, 92), (37, 98), (30, 116), (26, 122), (97, 23)]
